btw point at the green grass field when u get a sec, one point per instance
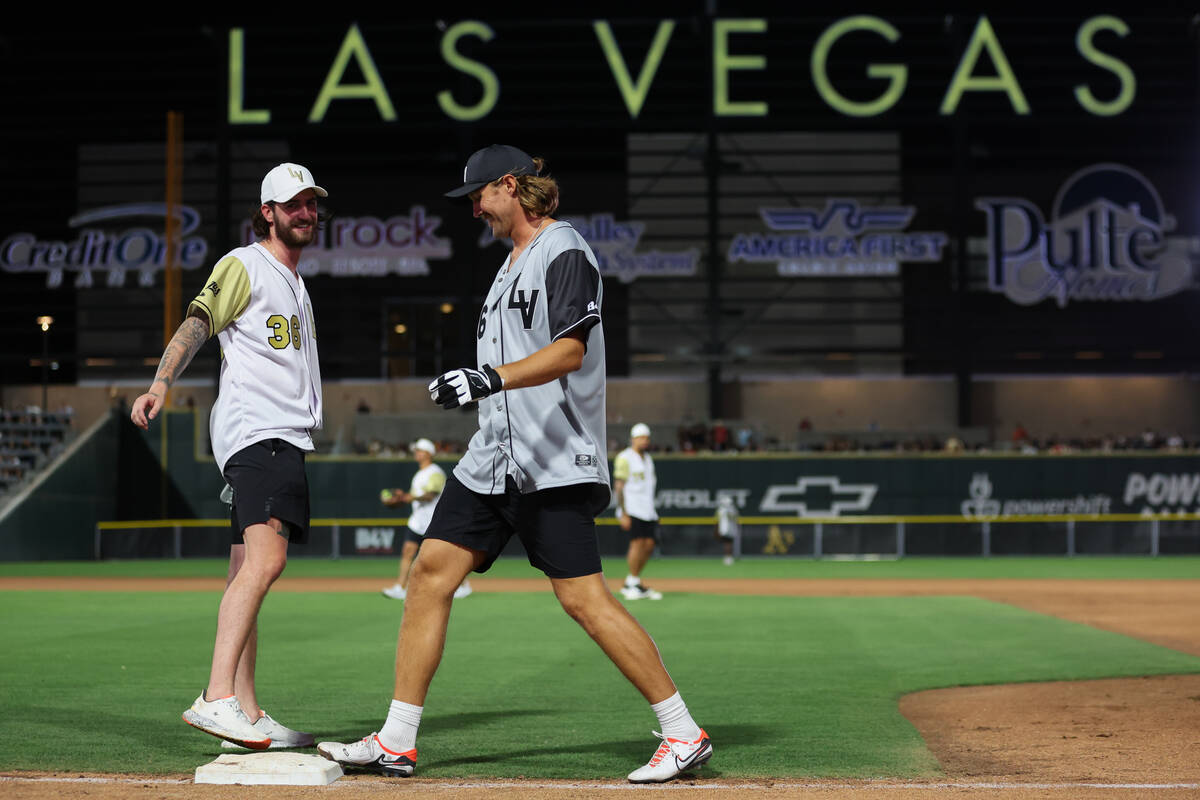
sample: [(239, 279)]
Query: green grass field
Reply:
[(787, 686), (1090, 567)]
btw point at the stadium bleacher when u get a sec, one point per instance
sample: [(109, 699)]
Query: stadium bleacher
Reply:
[(30, 439)]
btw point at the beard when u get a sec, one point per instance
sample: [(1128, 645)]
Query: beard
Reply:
[(500, 230), (291, 236)]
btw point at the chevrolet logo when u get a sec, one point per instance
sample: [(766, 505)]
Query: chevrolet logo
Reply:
[(795, 498)]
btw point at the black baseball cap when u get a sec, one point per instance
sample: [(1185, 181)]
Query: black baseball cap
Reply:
[(490, 164)]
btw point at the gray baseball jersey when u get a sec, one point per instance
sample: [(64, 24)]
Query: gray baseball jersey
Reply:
[(553, 434)]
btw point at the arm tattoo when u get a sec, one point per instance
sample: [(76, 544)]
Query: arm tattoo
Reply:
[(187, 341)]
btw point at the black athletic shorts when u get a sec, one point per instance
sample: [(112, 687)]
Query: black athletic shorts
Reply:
[(643, 528), (557, 526), (268, 480)]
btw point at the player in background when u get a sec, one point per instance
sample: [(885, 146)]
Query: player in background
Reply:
[(537, 468), (423, 493), (728, 528), (634, 484), (257, 306)]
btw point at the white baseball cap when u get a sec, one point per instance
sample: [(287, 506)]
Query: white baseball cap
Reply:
[(286, 181), (641, 429), (424, 444)]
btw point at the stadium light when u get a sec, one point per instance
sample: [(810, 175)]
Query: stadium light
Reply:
[(44, 322)]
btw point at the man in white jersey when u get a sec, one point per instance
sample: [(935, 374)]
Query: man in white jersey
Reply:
[(536, 467), (634, 484), (728, 528), (423, 493), (256, 304)]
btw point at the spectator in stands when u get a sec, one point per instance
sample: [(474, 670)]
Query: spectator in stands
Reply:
[(744, 438), (720, 436), (1150, 439), (1020, 435)]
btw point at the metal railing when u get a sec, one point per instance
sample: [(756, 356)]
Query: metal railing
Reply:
[(769, 528)]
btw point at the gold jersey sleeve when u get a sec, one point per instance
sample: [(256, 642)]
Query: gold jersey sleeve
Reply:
[(436, 482), (621, 467), (226, 294)]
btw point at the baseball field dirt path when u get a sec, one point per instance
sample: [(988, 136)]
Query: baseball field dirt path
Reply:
[(1128, 738)]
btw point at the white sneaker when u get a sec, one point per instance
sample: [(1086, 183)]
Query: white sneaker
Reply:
[(729, 561), (672, 757), (370, 753), (395, 591), (224, 719), (463, 590), (640, 592), (281, 735)]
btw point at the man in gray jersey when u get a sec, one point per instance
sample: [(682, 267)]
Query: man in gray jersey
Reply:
[(537, 467)]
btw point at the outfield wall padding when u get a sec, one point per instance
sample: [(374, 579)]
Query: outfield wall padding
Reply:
[(55, 518), (773, 485), (770, 489)]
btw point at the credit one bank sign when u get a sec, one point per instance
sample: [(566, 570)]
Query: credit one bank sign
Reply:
[(114, 240), (120, 241)]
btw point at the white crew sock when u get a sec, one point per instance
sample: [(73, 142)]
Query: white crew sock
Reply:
[(675, 720), (399, 733), (633, 580)]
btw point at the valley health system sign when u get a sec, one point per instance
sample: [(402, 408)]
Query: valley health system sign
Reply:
[(843, 239), (615, 243), (1106, 240)]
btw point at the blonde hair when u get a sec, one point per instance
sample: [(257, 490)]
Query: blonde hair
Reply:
[(537, 194)]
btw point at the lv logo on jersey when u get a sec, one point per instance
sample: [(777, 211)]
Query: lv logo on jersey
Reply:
[(516, 299)]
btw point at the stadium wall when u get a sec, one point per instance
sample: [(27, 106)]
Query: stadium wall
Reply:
[(55, 517), (791, 505)]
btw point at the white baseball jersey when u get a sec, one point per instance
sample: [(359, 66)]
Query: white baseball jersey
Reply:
[(431, 479), (637, 470), (270, 379), (553, 434), (728, 525)]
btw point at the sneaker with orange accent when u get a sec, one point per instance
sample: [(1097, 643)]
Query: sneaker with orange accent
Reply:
[(225, 719), (281, 735), (673, 757), (369, 753)]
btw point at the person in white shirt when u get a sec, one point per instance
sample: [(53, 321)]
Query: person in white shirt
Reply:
[(269, 402), (728, 528), (634, 484), (423, 493)]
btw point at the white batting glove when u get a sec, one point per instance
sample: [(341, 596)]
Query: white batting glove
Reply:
[(461, 386)]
